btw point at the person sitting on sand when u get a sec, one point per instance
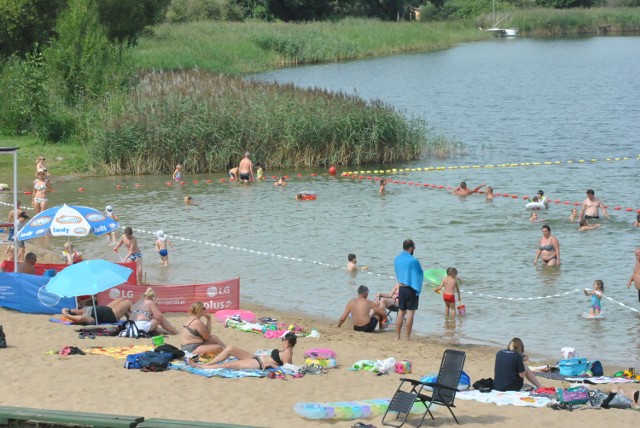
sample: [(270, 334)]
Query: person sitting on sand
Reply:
[(196, 336), (389, 300), (510, 371), (29, 264), (463, 190), (584, 225), (248, 361), (361, 309), (148, 316), (110, 314)]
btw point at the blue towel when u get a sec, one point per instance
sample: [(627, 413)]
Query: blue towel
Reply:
[(408, 271)]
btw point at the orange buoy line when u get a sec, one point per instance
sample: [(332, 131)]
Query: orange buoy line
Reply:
[(444, 187)]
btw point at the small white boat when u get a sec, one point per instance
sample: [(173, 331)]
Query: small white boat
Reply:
[(503, 32), (497, 31)]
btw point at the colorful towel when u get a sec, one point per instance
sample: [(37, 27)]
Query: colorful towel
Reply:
[(62, 320), (119, 352), (226, 373), (513, 398)]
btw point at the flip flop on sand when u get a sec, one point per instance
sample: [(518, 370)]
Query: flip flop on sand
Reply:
[(81, 335)]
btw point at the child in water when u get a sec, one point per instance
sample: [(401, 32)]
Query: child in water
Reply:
[(450, 285), (259, 172), (161, 247), (637, 222), (108, 211), (177, 174), (533, 216), (596, 296), (281, 182), (574, 214), (383, 184), (584, 225), (189, 201)]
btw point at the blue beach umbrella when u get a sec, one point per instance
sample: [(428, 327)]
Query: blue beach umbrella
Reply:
[(67, 220), (88, 277)]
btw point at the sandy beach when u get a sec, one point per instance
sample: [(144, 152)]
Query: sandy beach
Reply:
[(33, 378)]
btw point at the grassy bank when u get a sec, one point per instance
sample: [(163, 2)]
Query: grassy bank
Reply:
[(556, 22), (62, 159), (207, 121), (238, 48)]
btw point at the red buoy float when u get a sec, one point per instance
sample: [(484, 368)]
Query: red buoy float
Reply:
[(333, 170)]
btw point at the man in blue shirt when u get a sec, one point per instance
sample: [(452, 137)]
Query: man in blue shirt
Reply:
[(410, 276)]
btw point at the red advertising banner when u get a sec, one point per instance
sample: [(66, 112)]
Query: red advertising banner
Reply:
[(42, 267), (178, 298)]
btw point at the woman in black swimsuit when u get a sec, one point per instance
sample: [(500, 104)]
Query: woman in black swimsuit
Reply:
[(247, 360), (196, 336)]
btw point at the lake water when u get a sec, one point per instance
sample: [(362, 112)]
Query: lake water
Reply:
[(509, 102)]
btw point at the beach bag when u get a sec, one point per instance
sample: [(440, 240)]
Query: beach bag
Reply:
[(130, 329), (617, 401), (403, 367), (595, 367), (155, 361), (3, 338), (483, 384), (463, 384), (573, 366), (132, 361), (577, 395), (171, 350)]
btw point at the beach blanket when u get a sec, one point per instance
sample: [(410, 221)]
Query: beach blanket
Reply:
[(225, 373), (586, 379), (118, 352), (512, 398)]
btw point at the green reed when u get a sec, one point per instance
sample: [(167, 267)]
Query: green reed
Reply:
[(254, 46), (206, 122), (555, 22)]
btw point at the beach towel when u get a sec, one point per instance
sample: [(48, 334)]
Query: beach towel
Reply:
[(408, 271), (513, 398), (586, 379), (119, 352), (225, 373)]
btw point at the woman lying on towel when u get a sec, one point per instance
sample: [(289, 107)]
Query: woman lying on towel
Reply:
[(148, 316), (196, 336), (510, 371), (247, 360), (110, 314)]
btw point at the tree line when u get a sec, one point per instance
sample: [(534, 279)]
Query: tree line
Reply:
[(25, 23)]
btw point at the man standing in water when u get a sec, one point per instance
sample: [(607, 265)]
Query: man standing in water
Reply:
[(635, 275), (245, 169), (463, 190), (591, 206), (410, 277)]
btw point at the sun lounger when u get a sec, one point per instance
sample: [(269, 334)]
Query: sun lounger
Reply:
[(98, 420), (172, 423)]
